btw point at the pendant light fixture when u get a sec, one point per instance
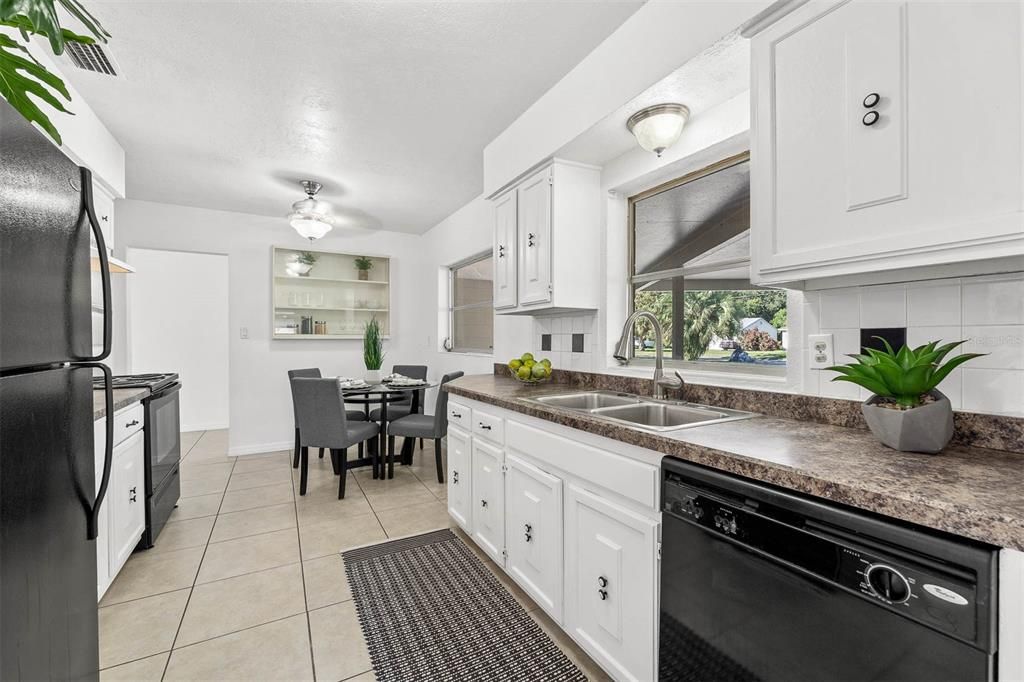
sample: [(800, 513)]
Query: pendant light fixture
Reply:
[(311, 217), (657, 128)]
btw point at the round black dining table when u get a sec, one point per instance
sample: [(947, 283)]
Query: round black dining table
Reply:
[(382, 394)]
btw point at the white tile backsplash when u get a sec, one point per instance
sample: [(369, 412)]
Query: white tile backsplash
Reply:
[(883, 306), (994, 300), (987, 311), (994, 391), (933, 303), (562, 329)]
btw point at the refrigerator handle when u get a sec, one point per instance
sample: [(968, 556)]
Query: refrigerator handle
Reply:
[(93, 513), (101, 246)]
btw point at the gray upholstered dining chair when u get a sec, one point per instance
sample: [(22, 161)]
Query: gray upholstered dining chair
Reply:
[(323, 423), (433, 426), (400, 408), (314, 373)]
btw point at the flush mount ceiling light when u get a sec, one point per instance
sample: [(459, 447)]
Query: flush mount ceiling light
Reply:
[(311, 217), (657, 128)]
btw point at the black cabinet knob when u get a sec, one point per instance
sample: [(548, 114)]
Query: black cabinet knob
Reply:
[(602, 581), (528, 537), (870, 118), (529, 239), (871, 100), (483, 503), (603, 593), (501, 251), (455, 477)]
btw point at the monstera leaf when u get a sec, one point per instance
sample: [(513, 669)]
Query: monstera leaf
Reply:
[(23, 80)]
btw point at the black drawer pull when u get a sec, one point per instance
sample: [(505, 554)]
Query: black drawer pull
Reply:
[(485, 427), (456, 415), (132, 423)]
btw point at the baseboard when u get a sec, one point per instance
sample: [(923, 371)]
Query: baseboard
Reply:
[(260, 448)]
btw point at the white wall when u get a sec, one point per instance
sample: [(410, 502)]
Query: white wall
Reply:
[(177, 320), (260, 401)]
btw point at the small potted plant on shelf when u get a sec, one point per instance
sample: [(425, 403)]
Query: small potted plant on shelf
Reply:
[(302, 264), (363, 265), (906, 412), (373, 351)]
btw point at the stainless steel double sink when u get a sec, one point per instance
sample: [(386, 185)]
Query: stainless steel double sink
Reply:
[(640, 412)]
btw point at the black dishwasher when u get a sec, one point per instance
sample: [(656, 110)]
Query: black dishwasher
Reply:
[(762, 584)]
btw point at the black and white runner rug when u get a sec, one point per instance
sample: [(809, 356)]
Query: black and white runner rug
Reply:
[(430, 610)]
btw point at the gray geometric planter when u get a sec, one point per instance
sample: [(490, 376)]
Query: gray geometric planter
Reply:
[(927, 428)]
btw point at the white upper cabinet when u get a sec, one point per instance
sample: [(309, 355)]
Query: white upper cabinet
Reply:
[(505, 249), (886, 135), (546, 241)]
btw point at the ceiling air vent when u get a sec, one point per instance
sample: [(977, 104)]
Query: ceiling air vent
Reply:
[(91, 58)]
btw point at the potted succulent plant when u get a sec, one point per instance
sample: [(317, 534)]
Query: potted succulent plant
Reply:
[(363, 265), (373, 351), (906, 412)]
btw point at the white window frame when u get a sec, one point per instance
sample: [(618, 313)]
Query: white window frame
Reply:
[(489, 304)]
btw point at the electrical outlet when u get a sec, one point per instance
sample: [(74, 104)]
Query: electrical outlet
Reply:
[(243, 333), (821, 350)]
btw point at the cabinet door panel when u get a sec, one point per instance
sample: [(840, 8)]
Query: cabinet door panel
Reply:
[(611, 575), (460, 478), (535, 239), (127, 498), (488, 501), (533, 532), (505, 250)]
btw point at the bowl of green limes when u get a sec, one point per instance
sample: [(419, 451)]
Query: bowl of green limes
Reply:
[(528, 370)]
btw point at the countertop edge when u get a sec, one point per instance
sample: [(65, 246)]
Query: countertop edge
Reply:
[(123, 397), (999, 530)]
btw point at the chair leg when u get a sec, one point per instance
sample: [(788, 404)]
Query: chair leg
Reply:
[(334, 461), (295, 464), (391, 457), (421, 443), (374, 459), (304, 475), (343, 456), (437, 459), (360, 451), (408, 447), (321, 453)]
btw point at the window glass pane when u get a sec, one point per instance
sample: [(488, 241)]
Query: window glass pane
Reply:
[(730, 328), (473, 329), (473, 283)]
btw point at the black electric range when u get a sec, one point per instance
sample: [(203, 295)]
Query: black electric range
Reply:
[(163, 446)]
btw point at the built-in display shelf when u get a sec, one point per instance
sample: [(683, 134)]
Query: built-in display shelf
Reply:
[(330, 294)]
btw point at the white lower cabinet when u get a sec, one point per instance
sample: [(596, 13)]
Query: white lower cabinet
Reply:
[(122, 515), (126, 499), (611, 578), (488, 500), (460, 479), (533, 532), (574, 524)]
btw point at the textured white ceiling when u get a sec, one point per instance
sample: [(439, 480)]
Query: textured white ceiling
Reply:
[(226, 105)]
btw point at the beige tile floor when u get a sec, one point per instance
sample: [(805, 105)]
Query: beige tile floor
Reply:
[(246, 580)]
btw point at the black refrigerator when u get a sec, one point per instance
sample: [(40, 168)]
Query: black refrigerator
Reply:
[(49, 493)]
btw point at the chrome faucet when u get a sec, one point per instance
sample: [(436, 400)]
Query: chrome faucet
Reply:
[(661, 382)]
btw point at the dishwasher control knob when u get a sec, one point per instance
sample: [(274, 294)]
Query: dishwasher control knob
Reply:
[(888, 583)]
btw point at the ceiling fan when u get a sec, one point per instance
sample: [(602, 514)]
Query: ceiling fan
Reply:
[(311, 217)]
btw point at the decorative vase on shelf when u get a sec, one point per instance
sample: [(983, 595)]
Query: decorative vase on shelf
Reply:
[(363, 265)]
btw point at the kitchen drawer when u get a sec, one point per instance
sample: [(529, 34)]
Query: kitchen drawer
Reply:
[(488, 426), (460, 414), (128, 421)]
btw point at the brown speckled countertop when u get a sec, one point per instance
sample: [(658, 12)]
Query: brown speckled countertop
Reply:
[(123, 397), (971, 492)]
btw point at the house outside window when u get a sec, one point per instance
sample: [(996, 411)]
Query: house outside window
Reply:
[(690, 266), (471, 305)]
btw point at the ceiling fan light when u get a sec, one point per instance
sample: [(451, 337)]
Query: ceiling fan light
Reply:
[(657, 128), (310, 227)]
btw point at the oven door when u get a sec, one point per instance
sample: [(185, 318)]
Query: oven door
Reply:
[(163, 436), (730, 613)]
